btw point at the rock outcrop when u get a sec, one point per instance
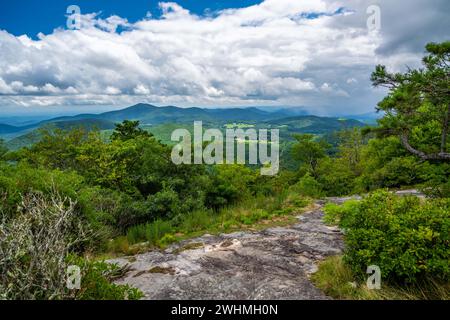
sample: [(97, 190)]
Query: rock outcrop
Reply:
[(270, 264)]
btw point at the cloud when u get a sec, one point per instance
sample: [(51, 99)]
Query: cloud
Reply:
[(316, 53)]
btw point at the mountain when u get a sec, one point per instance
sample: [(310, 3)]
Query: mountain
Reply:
[(152, 117), (5, 128), (8, 129), (368, 118), (32, 136), (286, 111), (314, 124)]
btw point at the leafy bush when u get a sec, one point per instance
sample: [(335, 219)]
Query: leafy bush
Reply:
[(334, 212), (37, 245), (408, 238), (337, 280), (308, 186), (335, 177), (96, 282), (167, 239), (232, 183), (16, 181)]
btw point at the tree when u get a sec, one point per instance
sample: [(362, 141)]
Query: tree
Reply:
[(3, 149), (128, 130), (57, 148), (351, 144), (308, 151), (417, 106)]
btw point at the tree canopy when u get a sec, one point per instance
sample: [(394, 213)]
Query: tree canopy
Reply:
[(417, 106)]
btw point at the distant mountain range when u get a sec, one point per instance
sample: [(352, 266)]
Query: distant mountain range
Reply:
[(150, 115)]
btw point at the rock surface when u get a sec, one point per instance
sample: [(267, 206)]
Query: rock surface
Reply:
[(270, 264)]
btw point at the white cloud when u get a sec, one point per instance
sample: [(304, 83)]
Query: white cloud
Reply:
[(141, 90), (269, 53), (112, 91)]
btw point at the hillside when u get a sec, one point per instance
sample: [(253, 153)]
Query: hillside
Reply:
[(151, 115), (314, 124), (161, 120), (32, 136)]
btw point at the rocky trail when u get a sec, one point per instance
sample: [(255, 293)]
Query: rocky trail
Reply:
[(270, 264), (273, 264)]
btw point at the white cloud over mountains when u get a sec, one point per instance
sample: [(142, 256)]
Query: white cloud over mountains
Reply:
[(315, 53)]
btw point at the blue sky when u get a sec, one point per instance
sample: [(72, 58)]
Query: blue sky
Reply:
[(31, 17), (317, 54)]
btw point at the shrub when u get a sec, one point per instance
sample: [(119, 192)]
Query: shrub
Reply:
[(337, 280), (16, 181), (167, 239), (334, 212), (39, 243), (232, 183), (196, 221), (335, 177), (408, 238), (150, 232), (96, 282), (308, 186), (34, 246)]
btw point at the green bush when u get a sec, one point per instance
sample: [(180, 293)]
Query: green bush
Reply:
[(150, 232), (167, 239), (308, 186), (334, 212), (196, 221), (407, 237), (335, 177), (96, 282), (19, 180)]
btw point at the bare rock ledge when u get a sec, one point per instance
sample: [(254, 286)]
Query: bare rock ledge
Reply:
[(270, 264)]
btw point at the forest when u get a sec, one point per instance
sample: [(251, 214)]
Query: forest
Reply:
[(79, 196)]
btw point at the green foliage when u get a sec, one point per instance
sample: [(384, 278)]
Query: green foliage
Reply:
[(337, 280), (232, 183), (335, 177), (334, 212), (37, 245), (128, 130), (405, 236), (197, 220), (308, 186), (417, 106), (3, 149), (436, 180), (248, 213), (96, 281), (167, 239), (150, 232), (57, 149), (308, 151), (16, 181)]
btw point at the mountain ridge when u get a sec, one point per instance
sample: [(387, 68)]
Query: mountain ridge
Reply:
[(153, 116)]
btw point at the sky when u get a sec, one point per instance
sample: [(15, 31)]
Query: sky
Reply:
[(317, 54)]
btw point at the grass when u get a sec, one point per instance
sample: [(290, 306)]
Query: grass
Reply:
[(252, 215), (150, 232), (336, 280)]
